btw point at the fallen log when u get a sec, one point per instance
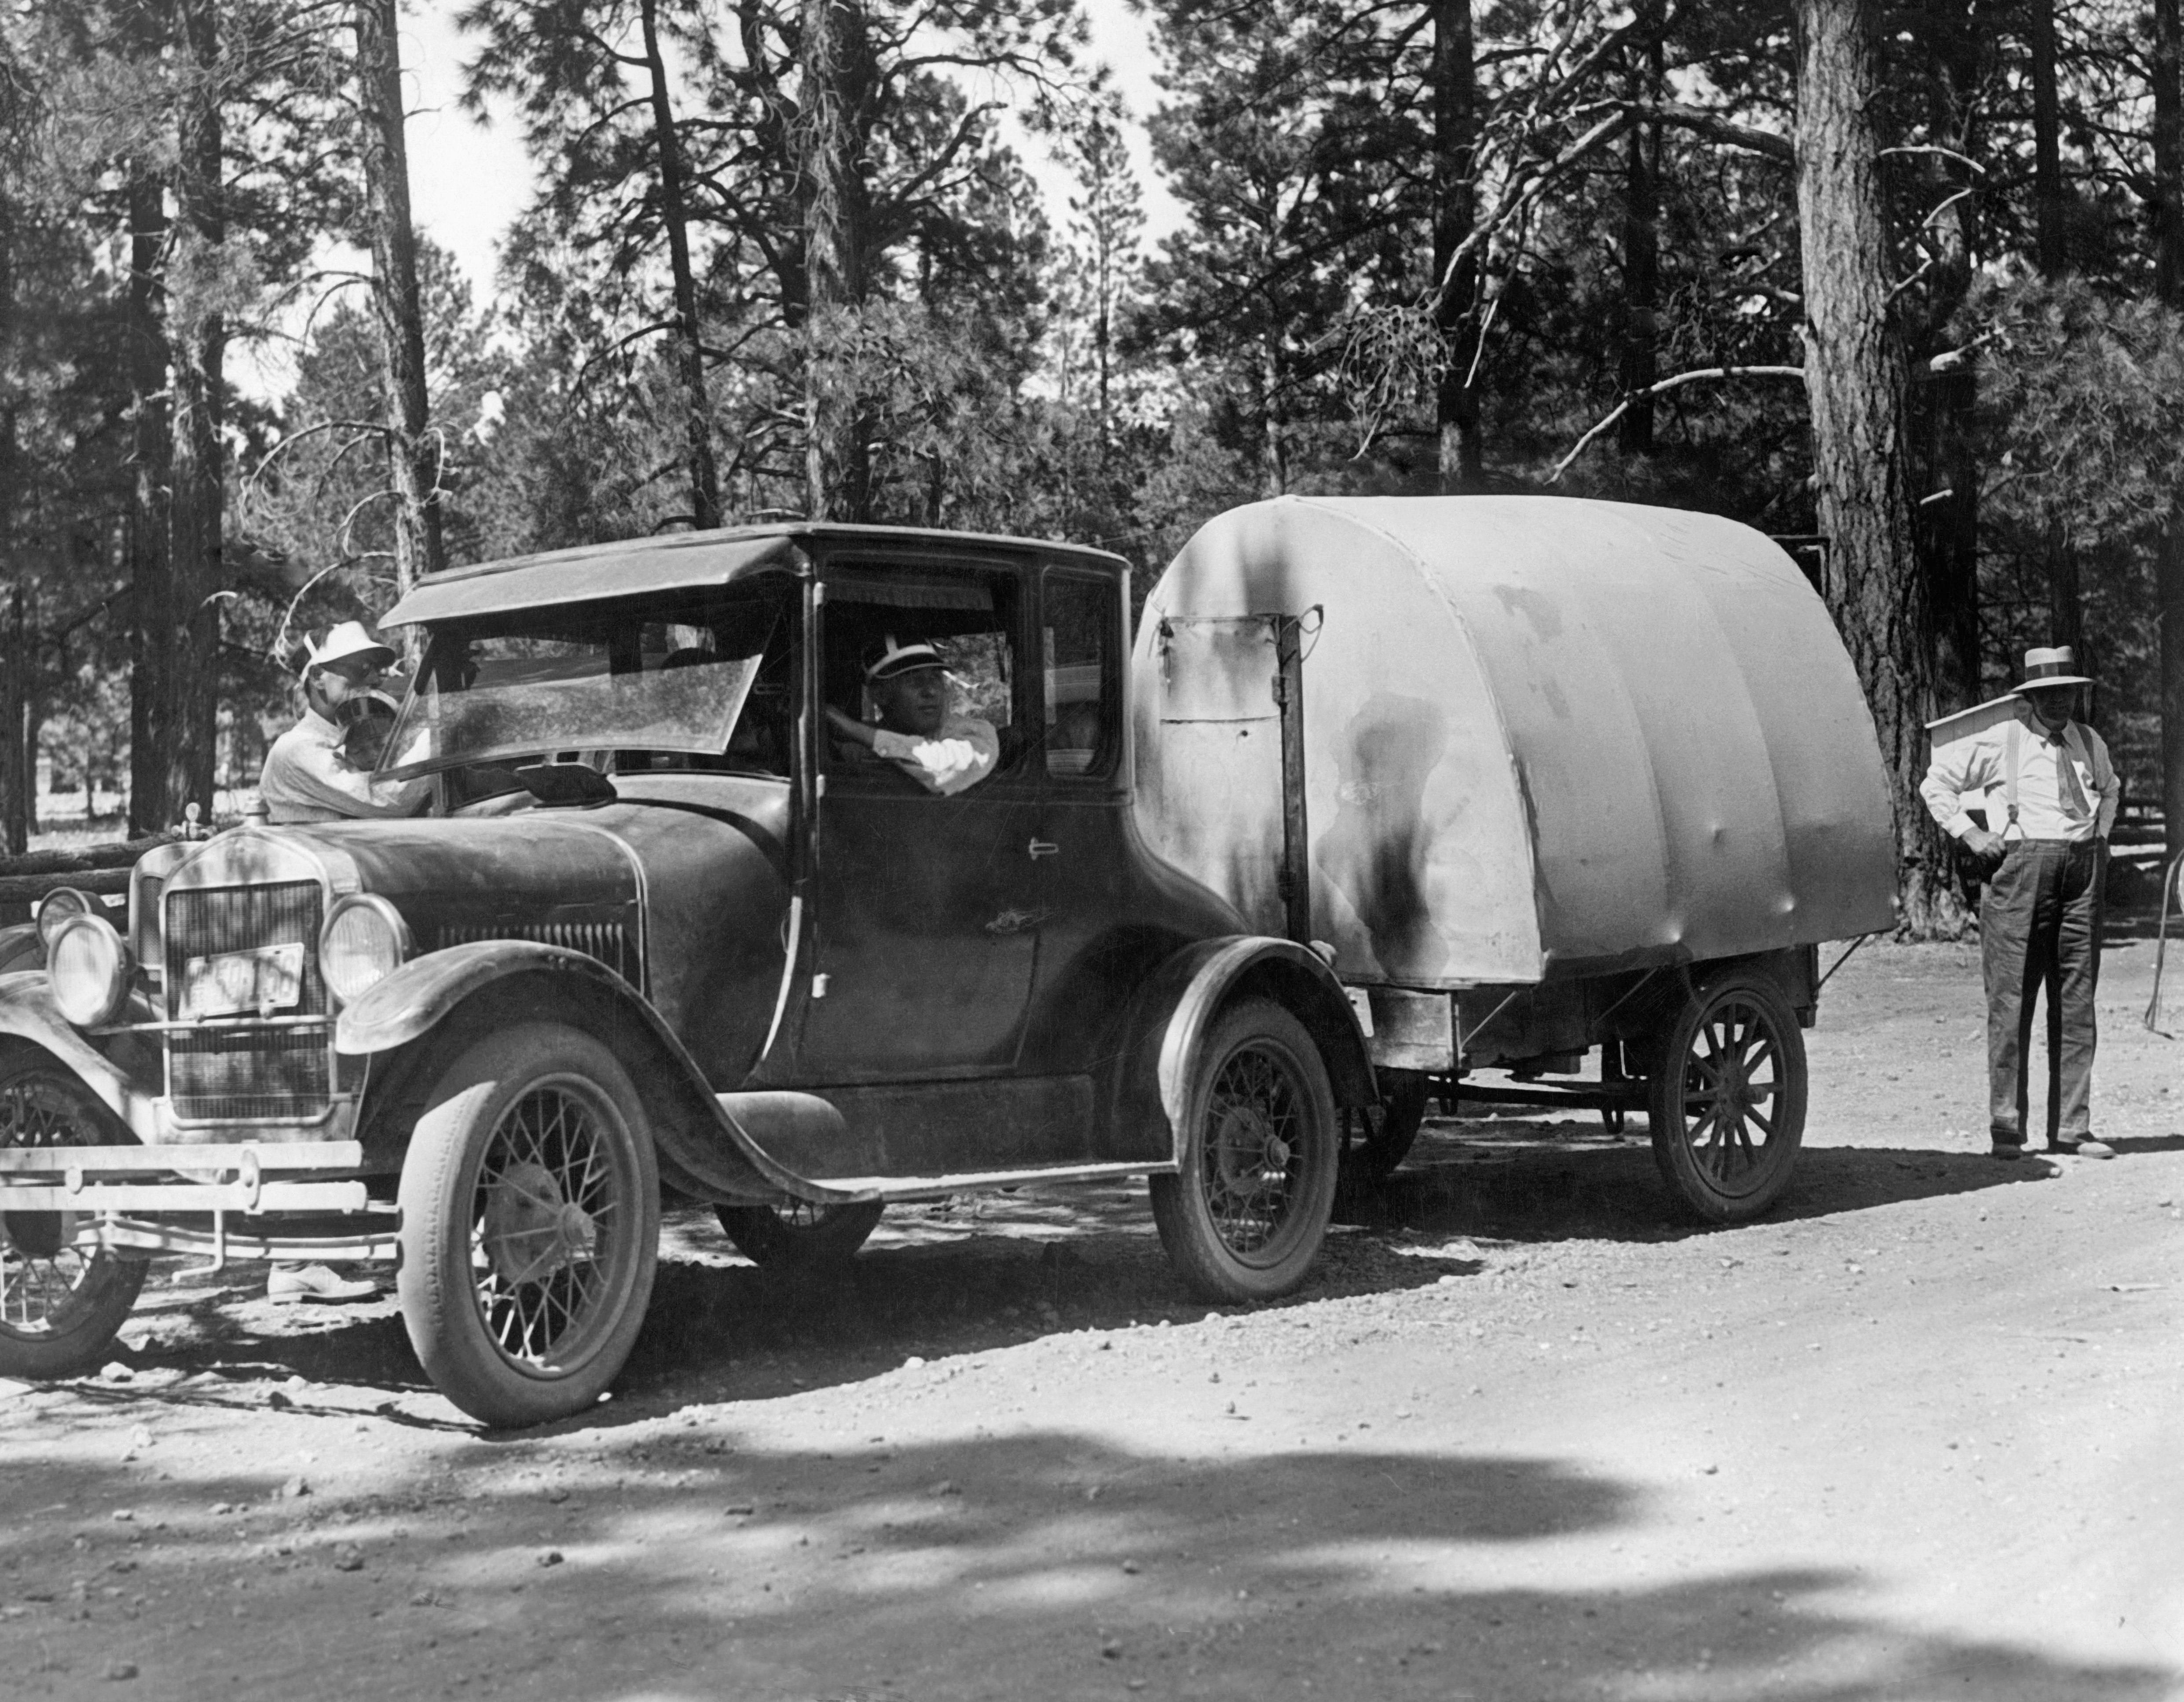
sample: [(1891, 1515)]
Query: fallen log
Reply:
[(77, 859), (28, 889)]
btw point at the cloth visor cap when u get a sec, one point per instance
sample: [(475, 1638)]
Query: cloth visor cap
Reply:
[(902, 659), (348, 642), (2051, 667)]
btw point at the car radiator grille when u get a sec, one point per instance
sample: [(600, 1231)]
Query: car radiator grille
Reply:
[(608, 942), (244, 1072)]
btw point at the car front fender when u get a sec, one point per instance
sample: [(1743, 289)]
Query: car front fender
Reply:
[(28, 1013), (704, 1149), (1201, 979)]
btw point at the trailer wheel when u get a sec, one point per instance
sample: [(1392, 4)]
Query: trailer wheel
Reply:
[(529, 1225), (1727, 1103), (60, 1305), (798, 1236), (1243, 1218), (1376, 1138)]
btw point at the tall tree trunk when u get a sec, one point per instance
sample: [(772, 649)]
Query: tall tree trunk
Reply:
[(154, 664), (412, 459), (2168, 273), (1642, 253), (2052, 231), (1855, 369), (198, 357), (836, 56), (18, 768), (689, 348), (1948, 491), (1462, 461)]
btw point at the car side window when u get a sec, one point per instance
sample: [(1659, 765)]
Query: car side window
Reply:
[(968, 616), (1077, 637)]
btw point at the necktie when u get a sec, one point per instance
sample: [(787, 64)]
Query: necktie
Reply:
[(2070, 792)]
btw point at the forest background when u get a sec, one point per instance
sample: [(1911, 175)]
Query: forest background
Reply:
[(1899, 283)]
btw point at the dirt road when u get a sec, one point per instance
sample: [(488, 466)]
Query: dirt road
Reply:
[(1917, 1437)]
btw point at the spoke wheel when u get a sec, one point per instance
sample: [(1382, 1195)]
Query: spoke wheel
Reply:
[(800, 1236), (1728, 1104), (529, 1225), (1243, 1218), (61, 1301), (1376, 1138)]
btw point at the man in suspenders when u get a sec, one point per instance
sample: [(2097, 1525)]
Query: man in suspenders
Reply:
[(2051, 795)]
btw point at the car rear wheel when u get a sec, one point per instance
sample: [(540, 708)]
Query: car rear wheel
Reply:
[(529, 1225), (1244, 1217), (800, 1236), (1727, 1105), (61, 1303)]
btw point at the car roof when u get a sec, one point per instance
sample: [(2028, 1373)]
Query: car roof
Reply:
[(678, 561)]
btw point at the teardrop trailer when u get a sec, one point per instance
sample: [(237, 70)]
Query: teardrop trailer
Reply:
[(1541, 778), (659, 934)]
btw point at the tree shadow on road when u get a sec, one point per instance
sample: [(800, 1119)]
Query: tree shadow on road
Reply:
[(1526, 1179), (678, 1559)]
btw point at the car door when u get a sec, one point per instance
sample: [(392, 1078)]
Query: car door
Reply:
[(925, 910)]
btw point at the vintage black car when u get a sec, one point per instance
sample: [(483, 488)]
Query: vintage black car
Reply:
[(660, 933)]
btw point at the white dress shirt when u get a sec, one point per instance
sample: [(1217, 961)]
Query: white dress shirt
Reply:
[(959, 756), (1975, 772), (307, 779)]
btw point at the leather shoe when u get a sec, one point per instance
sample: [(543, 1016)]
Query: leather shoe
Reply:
[(286, 1284), (2007, 1149), (2086, 1148)]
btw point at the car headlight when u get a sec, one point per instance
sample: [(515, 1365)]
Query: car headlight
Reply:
[(363, 941), (88, 964), (56, 906)]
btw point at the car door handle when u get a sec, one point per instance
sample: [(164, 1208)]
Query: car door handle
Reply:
[(1042, 848)]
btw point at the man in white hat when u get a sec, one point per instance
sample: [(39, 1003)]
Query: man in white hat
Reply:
[(943, 752), (2050, 794), (306, 776)]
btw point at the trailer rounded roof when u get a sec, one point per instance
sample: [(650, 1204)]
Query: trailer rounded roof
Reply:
[(1541, 734)]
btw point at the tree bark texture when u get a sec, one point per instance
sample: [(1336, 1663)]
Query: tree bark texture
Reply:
[(19, 773), (413, 457), (2051, 234), (2169, 275), (1947, 415), (836, 79), (1856, 372), (154, 664), (689, 347), (197, 353), (1461, 460), (1641, 253)]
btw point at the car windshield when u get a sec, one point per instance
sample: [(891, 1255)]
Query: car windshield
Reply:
[(617, 679)]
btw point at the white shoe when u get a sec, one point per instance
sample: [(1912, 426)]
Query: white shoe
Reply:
[(286, 1284)]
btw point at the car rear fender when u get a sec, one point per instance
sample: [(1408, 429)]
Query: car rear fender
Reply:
[(1181, 1002), (704, 1150)]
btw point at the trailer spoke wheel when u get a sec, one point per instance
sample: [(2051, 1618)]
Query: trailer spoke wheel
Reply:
[(1728, 1104), (61, 1302), (529, 1225), (1244, 1217)]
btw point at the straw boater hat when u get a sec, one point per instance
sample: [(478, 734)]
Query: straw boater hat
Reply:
[(345, 640), (2055, 667), (902, 658)]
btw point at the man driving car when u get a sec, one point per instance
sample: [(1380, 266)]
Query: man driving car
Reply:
[(943, 752)]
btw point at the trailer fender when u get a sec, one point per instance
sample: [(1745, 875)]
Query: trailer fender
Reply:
[(1215, 973), (704, 1149)]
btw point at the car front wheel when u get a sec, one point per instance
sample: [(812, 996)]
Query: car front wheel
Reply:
[(61, 1302), (798, 1236), (529, 1225), (1243, 1218)]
